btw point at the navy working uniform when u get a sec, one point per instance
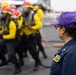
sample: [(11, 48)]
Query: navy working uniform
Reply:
[(64, 60)]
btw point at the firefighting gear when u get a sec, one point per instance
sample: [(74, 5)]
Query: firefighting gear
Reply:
[(11, 32), (4, 3), (30, 27), (7, 10), (36, 7), (16, 13), (13, 8), (39, 12), (27, 27), (27, 4)]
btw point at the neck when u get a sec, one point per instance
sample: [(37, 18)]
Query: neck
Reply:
[(66, 39)]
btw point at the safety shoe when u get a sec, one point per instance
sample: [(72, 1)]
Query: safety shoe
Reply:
[(45, 56), (17, 70), (21, 63), (36, 67)]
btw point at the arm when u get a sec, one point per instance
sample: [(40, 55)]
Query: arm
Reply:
[(44, 38), (55, 69), (12, 31), (38, 24), (20, 22), (58, 45), (69, 65), (40, 14)]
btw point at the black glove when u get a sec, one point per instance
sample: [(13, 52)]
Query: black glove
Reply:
[(5, 32)]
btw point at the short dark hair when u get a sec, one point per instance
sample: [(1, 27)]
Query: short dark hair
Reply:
[(71, 32)]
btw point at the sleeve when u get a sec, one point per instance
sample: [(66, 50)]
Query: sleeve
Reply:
[(20, 21), (38, 24), (55, 68), (40, 14), (69, 65), (12, 31)]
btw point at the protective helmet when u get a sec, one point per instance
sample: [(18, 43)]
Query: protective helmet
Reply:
[(27, 4), (3, 8), (4, 3), (24, 3), (13, 7), (16, 13), (7, 10), (36, 7)]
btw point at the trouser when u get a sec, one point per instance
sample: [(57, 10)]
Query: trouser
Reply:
[(19, 49), (23, 46), (39, 44), (30, 44), (2, 51), (10, 45)]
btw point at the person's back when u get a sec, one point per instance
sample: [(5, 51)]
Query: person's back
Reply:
[(40, 14)]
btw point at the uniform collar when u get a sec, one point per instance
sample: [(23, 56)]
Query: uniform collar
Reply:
[(72, 41)]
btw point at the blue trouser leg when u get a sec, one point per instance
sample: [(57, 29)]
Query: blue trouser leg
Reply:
[(11, 52)]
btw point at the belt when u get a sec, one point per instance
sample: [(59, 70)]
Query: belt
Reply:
[(28, 36)]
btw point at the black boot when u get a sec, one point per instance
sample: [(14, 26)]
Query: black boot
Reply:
[(21, 63), (41, 48), (25, 55), (17, 69), (36, 67), (44, 55), (37, 61), (37, 64)]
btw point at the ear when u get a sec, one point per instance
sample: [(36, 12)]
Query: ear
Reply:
[(63, 30)]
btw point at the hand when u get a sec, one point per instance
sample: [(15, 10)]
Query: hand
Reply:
[(4, 32), (29, 27), (58, 45)]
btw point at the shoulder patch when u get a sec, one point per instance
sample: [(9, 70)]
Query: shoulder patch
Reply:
[(57, 58)]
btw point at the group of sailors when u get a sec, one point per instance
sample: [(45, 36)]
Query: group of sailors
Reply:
[(19, 33)]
